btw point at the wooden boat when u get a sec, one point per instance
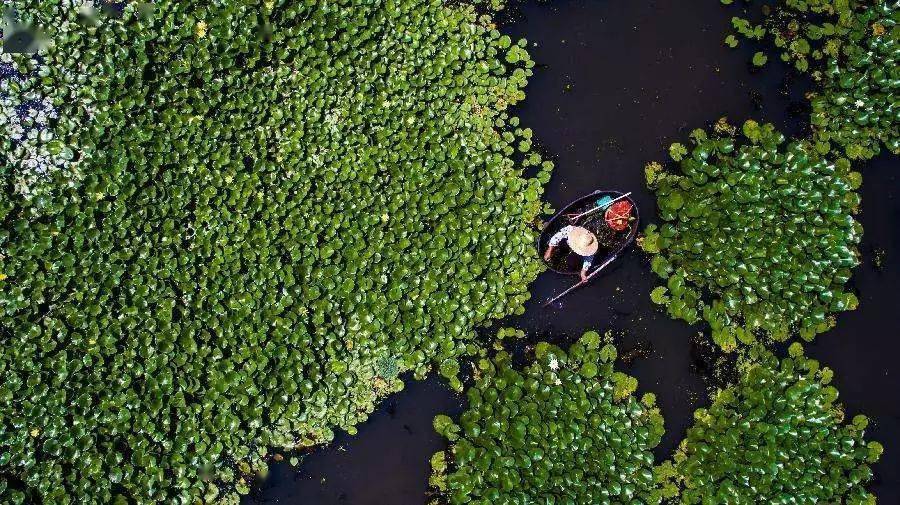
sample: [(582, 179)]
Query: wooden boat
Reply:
[(612, 242)]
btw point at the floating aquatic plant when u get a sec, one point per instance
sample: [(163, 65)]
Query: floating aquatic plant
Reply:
[(284, 207), (856, 107), (758, 236), (34, 158), (851, 49), (777, 436), (566, 429)]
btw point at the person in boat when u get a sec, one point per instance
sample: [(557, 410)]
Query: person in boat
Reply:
[(580, 240)]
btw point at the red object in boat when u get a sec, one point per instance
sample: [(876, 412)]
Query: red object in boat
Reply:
[(618, 215)]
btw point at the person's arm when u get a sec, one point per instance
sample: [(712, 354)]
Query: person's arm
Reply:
[(548, 253), (555, 240), (585, 266)]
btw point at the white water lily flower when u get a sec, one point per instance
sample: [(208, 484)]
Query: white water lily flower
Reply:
[(554, 364)]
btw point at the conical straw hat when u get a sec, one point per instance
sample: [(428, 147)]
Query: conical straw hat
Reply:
[(582, 241)]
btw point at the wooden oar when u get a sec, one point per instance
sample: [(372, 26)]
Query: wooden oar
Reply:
[(585, 281), (595, 209)]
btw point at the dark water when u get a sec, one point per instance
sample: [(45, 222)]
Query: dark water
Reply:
[(616, 82)]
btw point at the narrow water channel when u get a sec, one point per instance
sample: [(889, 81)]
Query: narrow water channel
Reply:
[(616, 82)]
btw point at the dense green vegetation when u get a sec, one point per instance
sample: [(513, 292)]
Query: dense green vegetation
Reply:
[(758, 237), (263, 214), (851, 49), (777, 436), (566, 429)]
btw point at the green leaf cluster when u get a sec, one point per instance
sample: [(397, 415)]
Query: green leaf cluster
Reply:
[(851, 49), (746, 29), (566, 429), (284, 206), (856, 104), (758, 237), (777, 436)]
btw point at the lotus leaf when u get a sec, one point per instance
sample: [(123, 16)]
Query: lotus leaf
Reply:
[(246, 221), (760, 58)]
